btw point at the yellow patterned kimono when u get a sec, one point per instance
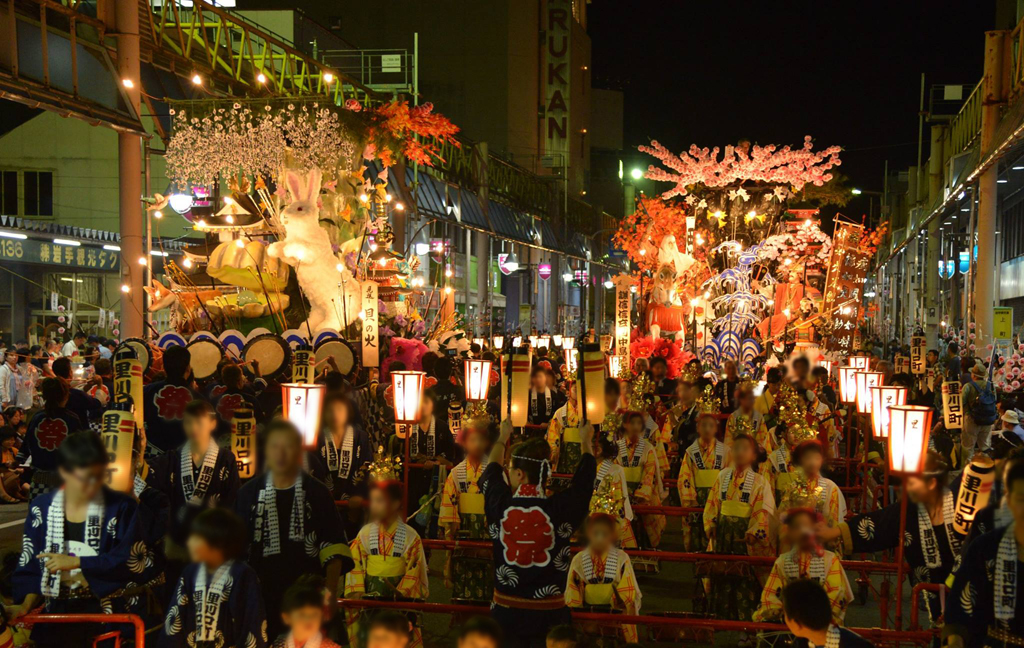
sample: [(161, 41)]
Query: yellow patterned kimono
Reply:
[(826, 569), (610, 470), (389, 564), (638, 461), (655, 437), (468, 572), (564, 438), (830, 503), (697, 474), (739, 516), (756, 421), (826, 424), (765, 402), (603, 583), (778, 471)]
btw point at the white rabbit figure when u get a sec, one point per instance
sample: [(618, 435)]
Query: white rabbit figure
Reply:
[(307, 248)]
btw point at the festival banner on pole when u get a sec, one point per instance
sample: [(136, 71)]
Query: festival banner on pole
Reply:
[(952, 410), (623, 305), (844, 282), (371, 338), (118, 432), (243, 442), (918, 349), (128, 382)]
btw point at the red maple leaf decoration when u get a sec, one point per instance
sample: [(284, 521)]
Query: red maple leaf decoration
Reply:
[(227, 405), (51, 432), (171, 401), (527, 537)]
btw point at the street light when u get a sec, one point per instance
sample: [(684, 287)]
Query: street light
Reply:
[(512, 262), (636, 174), (856, 192)]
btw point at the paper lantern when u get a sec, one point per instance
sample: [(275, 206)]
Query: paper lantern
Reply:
[(557, 339), (606, 343), (568, 342), (975, 490), (480, 342), (861, 362), (517, 341), (865, 381), (302, 404), (407, 387), (827, 364), (882, 398), (591, 382), (571, 360), (544, 342), (128, 382), (615, 366), (519, 387), (243, 441), (848, 384), (909, 427), (498, 342), (478, 379), (118, 431), (302, 365), (533, 340)]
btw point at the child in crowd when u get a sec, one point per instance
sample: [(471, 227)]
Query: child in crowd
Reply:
[(701, 463), (217, 601), (390, 629), (637, 458), (611, 475), (808, 615), (479, 632), (302, 611)]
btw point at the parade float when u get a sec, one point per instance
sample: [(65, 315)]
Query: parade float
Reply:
[(731, 261), (292, 202)]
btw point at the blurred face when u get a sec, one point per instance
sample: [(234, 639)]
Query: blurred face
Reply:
[(800, 370), (304, 622), (538, 381), (477, 640), (658, 370), (382, 508), (611, 400), (600, 534), (742, 452), (707, 427), (745, 399), (200, 551), (810, 461), (385, 638), (476, 443), (730, 370), (801, 531), (7, 443), (918, 488), (634, 426), (426, 409), (283, 453), (198, 429), (85, 481), (339, 415), (682, 389), (774, 387)]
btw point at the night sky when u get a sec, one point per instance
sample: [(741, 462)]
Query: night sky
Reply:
[(712, 72)]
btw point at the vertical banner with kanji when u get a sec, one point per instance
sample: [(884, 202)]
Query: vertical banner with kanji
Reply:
[(243, 442), (371, 337), (117, 427), (623, 305), (128, 381), (844, 283), (902, 364), (918, 349), (952, 410)]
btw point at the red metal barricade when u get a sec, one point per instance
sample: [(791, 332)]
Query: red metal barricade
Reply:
[(134, 619)]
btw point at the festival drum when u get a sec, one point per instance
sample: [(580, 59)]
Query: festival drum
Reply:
[(271, 352), (141, 348), (206, 356), (342, 352)]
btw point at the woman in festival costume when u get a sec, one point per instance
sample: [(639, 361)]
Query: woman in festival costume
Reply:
[(344, 450), (681, 419), (986, 606), (601, 576), (738, 519), (611, 474), (532, 535), (563, 435), (778, 469), (469, 572), (83, 551), (765, 403), (217, 601), (821, 418), (194, 476), (745, 419), (821, 492), (292, 524), (302, 611), (388, 553), (807, 559), (639, 461), (46, 431), (431, 445), (544, 401), (932, 546), (613, 408), (639, 400), (702, 462)]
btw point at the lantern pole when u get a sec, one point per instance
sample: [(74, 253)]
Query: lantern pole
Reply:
[(899, 552), (405, 471)]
